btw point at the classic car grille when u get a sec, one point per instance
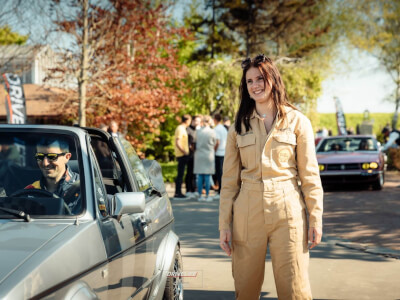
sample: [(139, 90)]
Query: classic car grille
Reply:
[(343, 167)]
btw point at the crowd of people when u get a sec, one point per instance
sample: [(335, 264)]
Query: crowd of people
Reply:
[(200, 149)]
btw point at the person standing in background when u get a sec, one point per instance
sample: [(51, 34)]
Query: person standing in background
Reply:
[(190, 179), (113, 129), (221, 135), (204, 158), (181, 153)]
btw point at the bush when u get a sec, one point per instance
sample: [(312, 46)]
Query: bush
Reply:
[(169, 171)]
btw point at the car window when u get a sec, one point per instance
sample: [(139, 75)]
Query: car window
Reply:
[(99, 189), (140, 173), (110, 169), (348, 144), (36, 166)]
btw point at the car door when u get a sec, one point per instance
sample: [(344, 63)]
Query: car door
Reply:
[(127, 240)]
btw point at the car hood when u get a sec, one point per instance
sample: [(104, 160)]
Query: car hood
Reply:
[(20, 240), (346, 157)]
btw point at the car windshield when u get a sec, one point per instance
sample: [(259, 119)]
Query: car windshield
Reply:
[(39, 173), (348, 144)]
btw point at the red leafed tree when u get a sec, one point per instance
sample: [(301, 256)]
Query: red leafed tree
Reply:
[(127, 63)]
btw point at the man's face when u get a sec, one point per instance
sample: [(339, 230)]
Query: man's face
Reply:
[(196, 122), (53, 169), (114, 127)]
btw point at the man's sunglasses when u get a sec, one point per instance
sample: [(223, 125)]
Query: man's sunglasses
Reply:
[(260, 58), (50, 156)]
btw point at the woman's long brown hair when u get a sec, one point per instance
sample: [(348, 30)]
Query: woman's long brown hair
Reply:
[(271, 75)]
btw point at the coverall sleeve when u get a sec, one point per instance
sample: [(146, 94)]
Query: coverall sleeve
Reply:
[(231, 180), (308, 171)]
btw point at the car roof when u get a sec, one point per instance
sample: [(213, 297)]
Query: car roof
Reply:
[(74, 129)]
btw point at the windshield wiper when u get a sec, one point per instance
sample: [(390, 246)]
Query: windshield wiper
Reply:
[(16, 213)]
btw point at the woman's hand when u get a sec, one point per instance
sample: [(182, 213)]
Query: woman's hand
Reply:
[(314, 236), (224, 241)]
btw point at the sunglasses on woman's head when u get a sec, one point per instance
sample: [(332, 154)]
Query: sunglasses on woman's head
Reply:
[(50, 156), (260, 58)]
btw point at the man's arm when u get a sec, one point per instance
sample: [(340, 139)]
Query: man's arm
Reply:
[(392, 138)]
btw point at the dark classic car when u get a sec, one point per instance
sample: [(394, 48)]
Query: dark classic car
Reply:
[(105, 232), (351, 159)]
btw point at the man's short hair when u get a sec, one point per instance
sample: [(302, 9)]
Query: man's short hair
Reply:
[(385, 130), (218, 117), (186, 117), (53, 141)]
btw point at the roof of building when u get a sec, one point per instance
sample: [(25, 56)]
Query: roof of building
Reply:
[(25, 52), (40, 100)]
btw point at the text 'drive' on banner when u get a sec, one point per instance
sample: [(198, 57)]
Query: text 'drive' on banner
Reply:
[(15, 99), (340, 119)]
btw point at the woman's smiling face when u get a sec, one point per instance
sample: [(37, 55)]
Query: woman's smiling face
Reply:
[(258, 90)]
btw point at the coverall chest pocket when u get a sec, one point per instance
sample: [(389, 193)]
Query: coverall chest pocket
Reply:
[(284, 150), (247, 148)]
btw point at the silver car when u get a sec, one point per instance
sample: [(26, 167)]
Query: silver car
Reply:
[(103, 231)]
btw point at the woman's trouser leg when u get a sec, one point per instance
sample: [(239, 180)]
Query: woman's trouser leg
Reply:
[(290, 257), (249, 245)]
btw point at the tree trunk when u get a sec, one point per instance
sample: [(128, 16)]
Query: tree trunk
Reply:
[(396, 110), (82, 80)]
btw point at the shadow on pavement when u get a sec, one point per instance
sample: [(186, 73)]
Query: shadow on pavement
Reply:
[(203, 234), (219, 295)]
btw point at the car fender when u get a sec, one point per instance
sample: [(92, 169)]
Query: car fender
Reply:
[(164, 263)]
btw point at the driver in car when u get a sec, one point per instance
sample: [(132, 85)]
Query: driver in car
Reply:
[(52, 155)]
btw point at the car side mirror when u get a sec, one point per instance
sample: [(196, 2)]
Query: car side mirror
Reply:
[(128, 203)]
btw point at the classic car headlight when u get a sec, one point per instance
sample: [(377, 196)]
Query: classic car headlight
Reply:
[(321, 167), (373, 165)]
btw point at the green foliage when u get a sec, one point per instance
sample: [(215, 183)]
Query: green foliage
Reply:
[(213, 87), (160, 144), (303, 85), (7, 37), (169, 171), (328, 120)]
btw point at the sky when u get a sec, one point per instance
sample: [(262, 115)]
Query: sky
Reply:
[(360, 84)]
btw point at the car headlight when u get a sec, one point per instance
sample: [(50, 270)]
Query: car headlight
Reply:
[(321, 167), (373, 165)]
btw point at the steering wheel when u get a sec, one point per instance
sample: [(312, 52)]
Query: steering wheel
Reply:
[(40, 193)]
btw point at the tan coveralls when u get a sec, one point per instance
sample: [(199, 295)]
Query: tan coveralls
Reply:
[(262, 203)]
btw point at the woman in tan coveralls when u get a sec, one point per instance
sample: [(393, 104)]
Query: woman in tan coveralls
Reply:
[(269, 150)]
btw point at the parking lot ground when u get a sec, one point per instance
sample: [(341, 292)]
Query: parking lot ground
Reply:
[(336, 272)]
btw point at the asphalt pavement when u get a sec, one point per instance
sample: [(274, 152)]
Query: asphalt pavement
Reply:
[(338, 269)]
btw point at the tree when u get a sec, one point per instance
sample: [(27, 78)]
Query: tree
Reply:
[(8, 37), (376, 28), (213, 38), (134, 76), (213, 87), (278, 28)]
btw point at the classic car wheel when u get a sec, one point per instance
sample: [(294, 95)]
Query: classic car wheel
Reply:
[(174, 285), (378, 184)]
